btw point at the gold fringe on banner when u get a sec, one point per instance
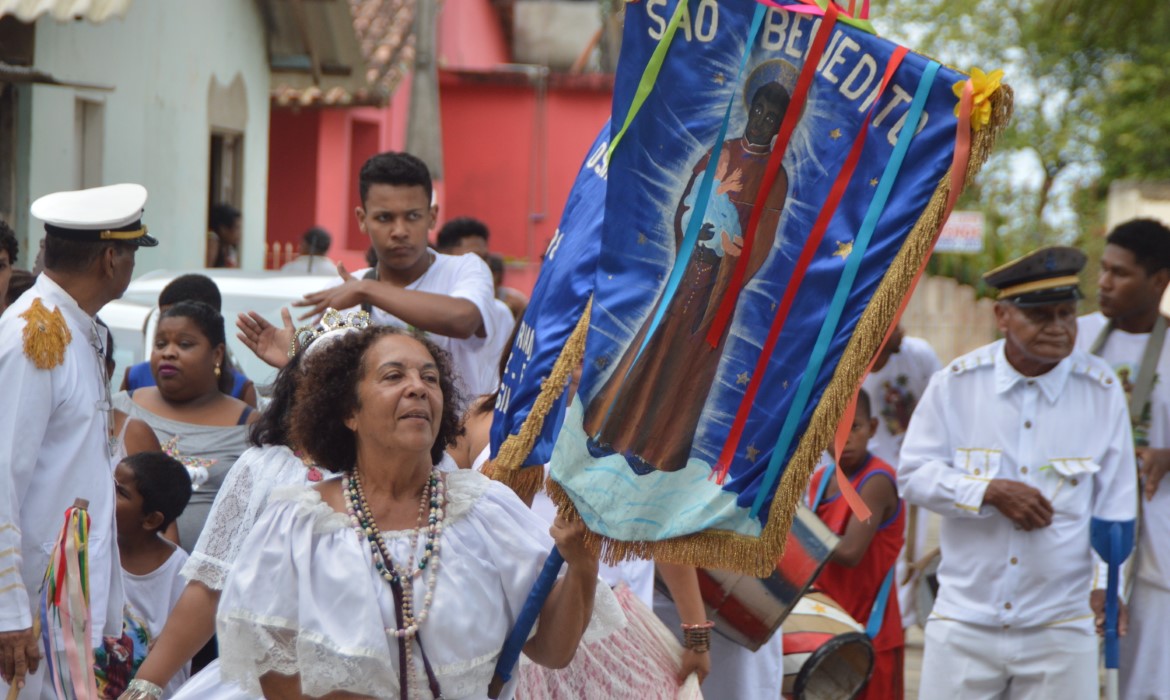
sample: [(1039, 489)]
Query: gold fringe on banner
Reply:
[(718, 549), (507, 466), (526, 482)]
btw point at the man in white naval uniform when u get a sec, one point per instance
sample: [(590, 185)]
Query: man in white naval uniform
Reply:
[(1127, 334), (1017, 445), (54, 439)]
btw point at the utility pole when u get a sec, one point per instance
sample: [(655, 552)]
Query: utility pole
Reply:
[(424, 132)]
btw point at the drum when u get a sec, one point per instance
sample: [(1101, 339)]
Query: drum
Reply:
[(749, 610), (827, 655)]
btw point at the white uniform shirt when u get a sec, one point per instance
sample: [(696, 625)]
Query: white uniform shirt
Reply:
[(1123, 351), (1065, 433), (894, 390), (54, 448), (463, 277)]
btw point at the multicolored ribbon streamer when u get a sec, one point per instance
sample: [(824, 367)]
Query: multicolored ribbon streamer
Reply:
[(816, 235), (818, 8), (791, 117), (64, 611), (959, 162), (848, 276)]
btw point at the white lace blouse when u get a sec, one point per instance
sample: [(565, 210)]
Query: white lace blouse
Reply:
[(304, 597), (242, 497)]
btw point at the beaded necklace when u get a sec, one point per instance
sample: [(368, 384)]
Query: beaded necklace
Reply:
[(407, 622)]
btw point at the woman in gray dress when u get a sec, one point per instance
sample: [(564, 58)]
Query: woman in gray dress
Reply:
[(195, 422)]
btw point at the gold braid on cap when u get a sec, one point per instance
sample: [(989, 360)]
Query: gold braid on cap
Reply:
[(332, 321), (1038, 286)]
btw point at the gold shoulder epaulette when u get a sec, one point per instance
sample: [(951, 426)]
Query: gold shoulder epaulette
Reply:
[(46, 335), (1096, 372), (970, 362)]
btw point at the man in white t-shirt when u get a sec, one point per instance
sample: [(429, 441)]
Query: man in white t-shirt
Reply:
[(449, 297), (900, 374), (1135, 270)]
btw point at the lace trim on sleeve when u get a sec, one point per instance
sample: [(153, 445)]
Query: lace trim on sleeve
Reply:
[(246, 491), (274, 645)]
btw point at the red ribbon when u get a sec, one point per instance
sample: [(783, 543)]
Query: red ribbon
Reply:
[(816, 235), (958, 179), (791, 117)]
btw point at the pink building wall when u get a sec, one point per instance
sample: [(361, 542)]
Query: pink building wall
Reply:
[(511, 149)]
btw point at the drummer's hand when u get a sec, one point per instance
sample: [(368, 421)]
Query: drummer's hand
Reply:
[(694, 662), (270, 343), (1153, 464), (1022, 504), (1097, 603), (570, 539)]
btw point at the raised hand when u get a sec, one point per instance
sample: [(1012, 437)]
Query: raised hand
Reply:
[(268, 342)]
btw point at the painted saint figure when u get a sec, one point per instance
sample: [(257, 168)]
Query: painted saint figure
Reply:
[(651, 415)]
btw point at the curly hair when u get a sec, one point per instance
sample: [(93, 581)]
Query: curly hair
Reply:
[(272, 428), (8, 242), (328, 395)]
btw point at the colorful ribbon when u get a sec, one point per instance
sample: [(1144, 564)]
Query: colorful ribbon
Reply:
[(959, 162), (844, 286), (649, 76), (818, 8), (791, 117), (816, 235), (64, 610)]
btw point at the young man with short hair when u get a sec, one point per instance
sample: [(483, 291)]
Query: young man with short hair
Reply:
[(448, 296), (1130, 334)]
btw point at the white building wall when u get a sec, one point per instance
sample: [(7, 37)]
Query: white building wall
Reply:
[(161, 59), (1130, 199)]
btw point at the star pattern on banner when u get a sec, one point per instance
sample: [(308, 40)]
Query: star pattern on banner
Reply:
[(743, 378), (719, 79), (873, 181), (752, 453), (835, 134), (642, 239), (844, 248)]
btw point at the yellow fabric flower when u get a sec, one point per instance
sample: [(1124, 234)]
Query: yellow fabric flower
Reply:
[(983, 86)]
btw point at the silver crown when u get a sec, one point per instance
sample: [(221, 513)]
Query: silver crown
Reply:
[(332, 322)]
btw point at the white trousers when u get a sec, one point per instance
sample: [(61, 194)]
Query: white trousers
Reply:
[(970, 662), (1145, 649)]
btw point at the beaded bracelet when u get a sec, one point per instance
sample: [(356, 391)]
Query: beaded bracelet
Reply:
[(141, 689), (697, 637)]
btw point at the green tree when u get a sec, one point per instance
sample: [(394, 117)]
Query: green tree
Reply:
[(1048, 151)]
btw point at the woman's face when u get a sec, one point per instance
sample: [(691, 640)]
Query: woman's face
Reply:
[(400, 402), (183, 360)]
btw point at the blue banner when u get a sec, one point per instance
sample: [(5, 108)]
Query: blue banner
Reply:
[(559, 298), (663, 381)]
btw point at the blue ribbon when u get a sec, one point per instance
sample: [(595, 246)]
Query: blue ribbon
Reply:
[(844, 286), (877, 614)]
